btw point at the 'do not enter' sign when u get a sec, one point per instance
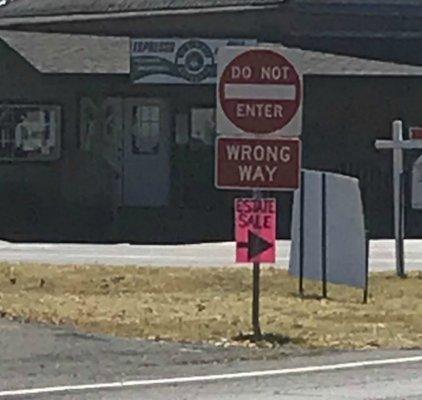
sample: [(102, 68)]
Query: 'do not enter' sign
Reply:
[(259, 91)]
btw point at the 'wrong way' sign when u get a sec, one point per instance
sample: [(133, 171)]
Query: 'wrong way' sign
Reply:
[(259, 91), (248, 163)]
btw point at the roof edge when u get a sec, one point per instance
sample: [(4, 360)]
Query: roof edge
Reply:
[(61, 53), (10, 21)]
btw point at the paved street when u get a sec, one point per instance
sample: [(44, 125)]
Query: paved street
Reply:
[(387, 383), (207, 254), (366, 383), (35, 356)]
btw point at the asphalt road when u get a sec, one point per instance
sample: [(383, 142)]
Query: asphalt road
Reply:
[(367, 383), (207, 254), (42, 357)]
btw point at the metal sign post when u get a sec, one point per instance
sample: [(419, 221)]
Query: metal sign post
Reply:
[(302, 197), (366, 286), (256, 289), (398, 204), (301, 232), (324, 235), (398, 144)]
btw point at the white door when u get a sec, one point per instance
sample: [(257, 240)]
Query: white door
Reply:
[(146, 153)]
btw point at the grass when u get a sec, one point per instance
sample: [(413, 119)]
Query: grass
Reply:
[(185, 304)]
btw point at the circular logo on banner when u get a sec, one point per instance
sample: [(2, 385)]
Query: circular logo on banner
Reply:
[(260, 91), (194, 60)]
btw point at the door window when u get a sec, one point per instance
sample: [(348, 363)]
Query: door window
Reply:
[(145, 129)]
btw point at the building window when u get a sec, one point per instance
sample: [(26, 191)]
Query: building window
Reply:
[(196, 129), (89, 120), (29, 132), (202, 122)]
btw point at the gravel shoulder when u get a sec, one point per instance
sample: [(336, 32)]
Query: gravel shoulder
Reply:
[(39, 355)]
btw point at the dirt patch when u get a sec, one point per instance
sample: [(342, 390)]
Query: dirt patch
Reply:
[(213, 305)]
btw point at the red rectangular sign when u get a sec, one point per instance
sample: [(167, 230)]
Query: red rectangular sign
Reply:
[(255, 230), (415, 133), (249, 163)]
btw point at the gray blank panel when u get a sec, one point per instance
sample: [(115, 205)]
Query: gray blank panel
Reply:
[(345, 230)]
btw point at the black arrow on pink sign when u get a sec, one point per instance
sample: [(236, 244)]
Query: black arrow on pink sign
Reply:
[(255, 245)]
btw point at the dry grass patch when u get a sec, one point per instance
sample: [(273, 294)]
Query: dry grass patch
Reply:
[(209, 304)]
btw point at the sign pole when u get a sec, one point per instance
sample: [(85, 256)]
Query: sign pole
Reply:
[(402, 224), (398, 203), (301, 232), (398, 145), (324, 235), (366, 287), (256, 289)]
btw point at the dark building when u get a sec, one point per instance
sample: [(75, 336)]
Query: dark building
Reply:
[(107, 109)]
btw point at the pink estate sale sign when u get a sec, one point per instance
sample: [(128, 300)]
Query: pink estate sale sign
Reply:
[(255, 230)]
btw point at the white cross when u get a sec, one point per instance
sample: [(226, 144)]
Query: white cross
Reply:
[(398, 145)]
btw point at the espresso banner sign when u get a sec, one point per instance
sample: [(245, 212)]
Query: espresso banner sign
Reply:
[(177, 61)]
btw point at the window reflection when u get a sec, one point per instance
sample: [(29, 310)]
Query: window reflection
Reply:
[(145, 129), (203, 126), (196, 128)]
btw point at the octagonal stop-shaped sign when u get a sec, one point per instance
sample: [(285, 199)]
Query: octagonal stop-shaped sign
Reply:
[(259, 91)]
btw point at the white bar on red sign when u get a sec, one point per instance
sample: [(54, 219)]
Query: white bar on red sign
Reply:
[(260, 92)]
